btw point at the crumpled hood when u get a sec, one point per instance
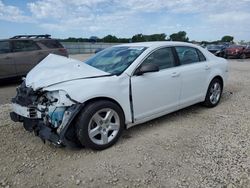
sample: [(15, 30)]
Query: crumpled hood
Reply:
[(56, 69)]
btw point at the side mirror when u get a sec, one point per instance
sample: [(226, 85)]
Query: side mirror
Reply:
[(146, 68)]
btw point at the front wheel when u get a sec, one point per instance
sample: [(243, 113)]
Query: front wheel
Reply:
[(213, 93), (100, 125)]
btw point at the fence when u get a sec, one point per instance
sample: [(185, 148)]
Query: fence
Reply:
[(85, 47)]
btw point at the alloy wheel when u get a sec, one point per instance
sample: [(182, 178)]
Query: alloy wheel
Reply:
[(215, 93), (104, 126)]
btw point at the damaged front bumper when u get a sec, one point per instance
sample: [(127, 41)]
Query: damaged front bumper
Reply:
[(45, 132), (35, 118)]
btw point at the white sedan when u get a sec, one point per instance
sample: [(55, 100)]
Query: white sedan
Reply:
[(70, 102)]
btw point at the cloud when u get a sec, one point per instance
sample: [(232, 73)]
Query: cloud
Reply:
[(125, 18), (229, 17), (183, 6), (84, 16), (65, 9), (13, 14)]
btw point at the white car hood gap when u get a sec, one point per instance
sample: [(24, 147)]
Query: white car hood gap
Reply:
[(56, 69)]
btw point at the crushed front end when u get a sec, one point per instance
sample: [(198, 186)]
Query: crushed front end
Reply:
[(49, 114)]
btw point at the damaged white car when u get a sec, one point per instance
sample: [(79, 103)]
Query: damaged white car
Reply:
[(70, 102)]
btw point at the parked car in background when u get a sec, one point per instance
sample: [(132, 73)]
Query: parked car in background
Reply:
[(246, 52), (218, 50), (237, 51), (92, 102), (19, 54)]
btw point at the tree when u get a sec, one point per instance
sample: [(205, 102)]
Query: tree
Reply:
[(180, 36), (138, 38), (153, 37), (72, 39), (156, 37), (124, 40), (110, 38), (227, 38), (93, 39)]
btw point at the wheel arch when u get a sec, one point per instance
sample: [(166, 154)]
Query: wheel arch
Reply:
[(211, 78), (219, 78), (206, 102), (70, 131), (107, 99)]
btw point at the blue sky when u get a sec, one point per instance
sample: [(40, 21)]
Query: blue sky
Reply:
[(201, 19)]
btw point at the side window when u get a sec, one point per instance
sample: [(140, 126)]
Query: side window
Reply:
[(201, 56), (187, 55), (24, 45), (4, 47), (163, 58)]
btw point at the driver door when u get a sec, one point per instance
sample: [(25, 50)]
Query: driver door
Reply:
[(157, 93)]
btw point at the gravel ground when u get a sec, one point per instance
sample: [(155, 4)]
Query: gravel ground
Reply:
[(194, 147)]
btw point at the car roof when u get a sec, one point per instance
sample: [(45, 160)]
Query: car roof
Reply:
[(157, 44), (32, 39)]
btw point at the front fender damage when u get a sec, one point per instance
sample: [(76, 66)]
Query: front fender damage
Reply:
[(63, 136)]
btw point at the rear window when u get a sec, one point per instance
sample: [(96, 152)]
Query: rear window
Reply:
[(4, 47), (201, 56), (51, 44)]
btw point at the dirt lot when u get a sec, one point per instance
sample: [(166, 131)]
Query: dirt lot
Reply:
[(194, 147)]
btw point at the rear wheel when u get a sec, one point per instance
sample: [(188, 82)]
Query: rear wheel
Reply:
[(213, 93), (243, 56), (100, 125)]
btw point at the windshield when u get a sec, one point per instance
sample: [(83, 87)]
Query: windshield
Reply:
[(115, 60)]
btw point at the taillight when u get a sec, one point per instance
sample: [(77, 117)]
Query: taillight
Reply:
[(63, 50)]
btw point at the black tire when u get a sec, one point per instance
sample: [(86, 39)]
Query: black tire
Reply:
[(243, 56), (86, 118), (208, 101)]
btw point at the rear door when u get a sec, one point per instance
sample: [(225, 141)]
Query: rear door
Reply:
[(25, 55), (7, 66), (194, 70)]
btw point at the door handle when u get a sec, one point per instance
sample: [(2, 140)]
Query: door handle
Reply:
[(207, 67), (7, 57), (175, 74)]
